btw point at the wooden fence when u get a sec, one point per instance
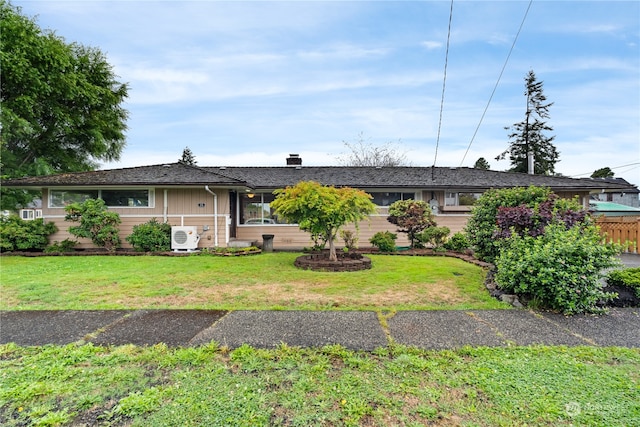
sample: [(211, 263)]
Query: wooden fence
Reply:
[(624, 230)]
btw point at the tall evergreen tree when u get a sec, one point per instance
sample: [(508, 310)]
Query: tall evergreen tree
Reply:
[(482, 163), (603, 173), (528, 135), (187, 157)]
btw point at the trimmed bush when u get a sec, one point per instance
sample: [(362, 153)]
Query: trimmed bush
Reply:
[(385, 241), (66, 245), (524, 211), (482, 226), (17, 234), (350, 239), (96, 223), (152, 236), (434, 236), (533, 220), (411, 217), (628, 277), (458, 242), (560, 269)]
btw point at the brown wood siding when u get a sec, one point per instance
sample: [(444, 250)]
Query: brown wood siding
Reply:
[(183, 209), (291, 237), (192, 215), (194, 201)]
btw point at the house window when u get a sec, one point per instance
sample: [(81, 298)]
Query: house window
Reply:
[(461, 199), (130, 198), (387, 198), (30, 214), (62, 198), (255, 209), (112, 198)]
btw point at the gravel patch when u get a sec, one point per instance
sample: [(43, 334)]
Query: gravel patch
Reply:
[(524, 327), (621, 327), (435, 330), (268, 329), (58, 327), (148, 327)]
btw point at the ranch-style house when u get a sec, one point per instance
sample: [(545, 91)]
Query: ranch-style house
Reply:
[(228, 206)]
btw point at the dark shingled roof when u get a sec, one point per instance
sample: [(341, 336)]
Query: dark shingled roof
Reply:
[(405, 176), (168, 174), (178, 174)]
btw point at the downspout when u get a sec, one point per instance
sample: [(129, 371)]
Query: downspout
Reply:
[(215, 215), (165, 208)]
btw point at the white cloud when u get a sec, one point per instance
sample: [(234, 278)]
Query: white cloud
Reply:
[(342, 52), (244, 82), (432, 45)]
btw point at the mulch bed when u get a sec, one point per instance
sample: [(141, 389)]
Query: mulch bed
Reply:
[(430, 252), (346, 262), (125, 252)]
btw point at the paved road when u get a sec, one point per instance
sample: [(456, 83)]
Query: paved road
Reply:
[(357, 330), (630, 260)]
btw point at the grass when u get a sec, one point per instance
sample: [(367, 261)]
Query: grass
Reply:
[(330, 386), (267, 281)]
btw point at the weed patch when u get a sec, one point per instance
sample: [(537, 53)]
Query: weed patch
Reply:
[(128, 385)]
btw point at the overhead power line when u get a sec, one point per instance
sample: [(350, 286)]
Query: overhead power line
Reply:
[(444, 83), (497, 82), (615, 167)]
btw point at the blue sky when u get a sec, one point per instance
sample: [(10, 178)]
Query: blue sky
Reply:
[(247, 83)]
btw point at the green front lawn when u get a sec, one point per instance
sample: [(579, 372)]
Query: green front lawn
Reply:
[(261, 282), (331, 386)]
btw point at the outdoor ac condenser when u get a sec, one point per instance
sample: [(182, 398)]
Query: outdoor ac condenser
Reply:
[(184, 238)]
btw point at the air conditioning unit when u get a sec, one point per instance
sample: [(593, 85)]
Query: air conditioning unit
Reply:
[(184, 238), (30, 214)]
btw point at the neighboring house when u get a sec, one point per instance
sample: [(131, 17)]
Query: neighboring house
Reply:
[(611, 209), (629, 196), (232, 204)]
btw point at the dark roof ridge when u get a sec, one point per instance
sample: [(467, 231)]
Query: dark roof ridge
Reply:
[(164, 173), (442, 177)]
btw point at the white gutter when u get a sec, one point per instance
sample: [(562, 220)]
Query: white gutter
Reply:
[(215, 215)]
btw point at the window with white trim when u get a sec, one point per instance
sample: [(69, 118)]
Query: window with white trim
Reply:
[(113, 198), (30, 214), (126, 198), (461, 198), (386, 198), (62, 198), (255, 209)]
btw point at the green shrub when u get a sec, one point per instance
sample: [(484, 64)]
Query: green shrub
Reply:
[(482, 225), (385, 241), (152, 236), (411, 217), (560, 269), (434, 236), (628, 277), (17, 234), (458, 242), (65, 246), (350, 239), (96, 223), (229, 250)]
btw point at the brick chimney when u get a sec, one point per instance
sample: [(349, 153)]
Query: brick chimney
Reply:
[(294, 160)]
